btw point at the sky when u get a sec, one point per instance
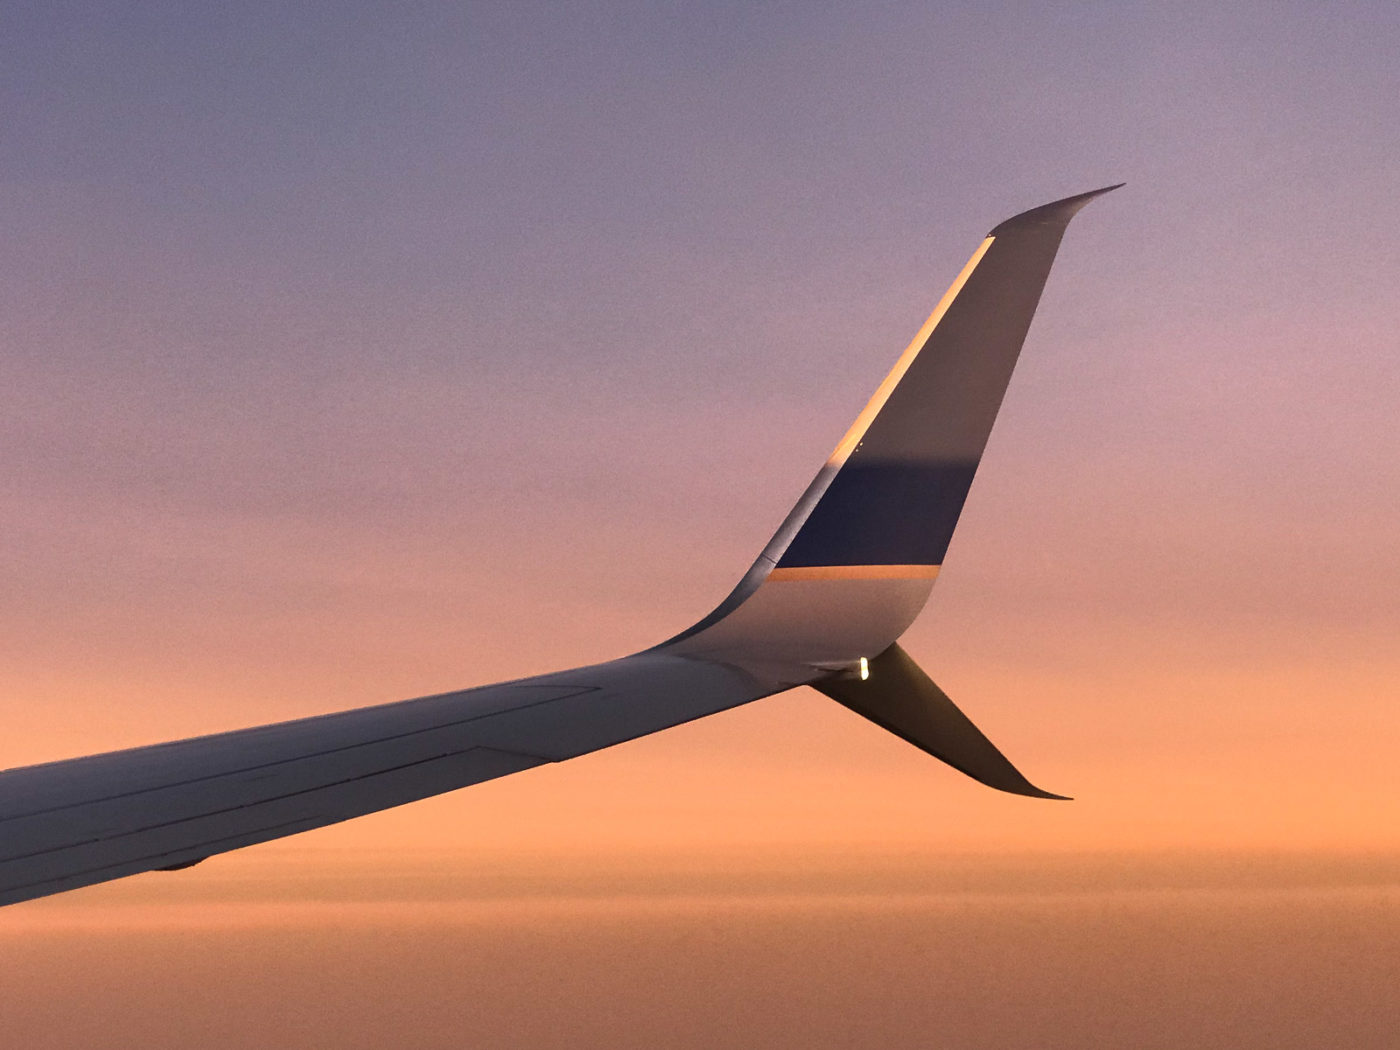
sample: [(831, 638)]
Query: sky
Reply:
[(352, 352)]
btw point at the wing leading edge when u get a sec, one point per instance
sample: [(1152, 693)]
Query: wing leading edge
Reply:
[(844, 576)]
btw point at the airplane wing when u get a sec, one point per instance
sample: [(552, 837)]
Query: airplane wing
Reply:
[(86, 820), (824, 604)]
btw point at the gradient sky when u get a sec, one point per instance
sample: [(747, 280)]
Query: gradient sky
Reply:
[(351, 352)]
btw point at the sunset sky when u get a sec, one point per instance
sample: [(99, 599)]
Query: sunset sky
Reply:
[(353, 352)]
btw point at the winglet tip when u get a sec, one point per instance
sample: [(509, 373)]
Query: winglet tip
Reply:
[(1019, 785), (1056, 213)]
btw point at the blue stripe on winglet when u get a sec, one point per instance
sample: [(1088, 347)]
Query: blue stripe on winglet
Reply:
[(884, 513)]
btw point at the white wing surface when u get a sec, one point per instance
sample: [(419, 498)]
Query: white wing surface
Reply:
[(86, 820), (824, 604)]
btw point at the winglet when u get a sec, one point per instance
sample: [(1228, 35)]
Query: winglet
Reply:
[(854, 561), (897, 695)]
